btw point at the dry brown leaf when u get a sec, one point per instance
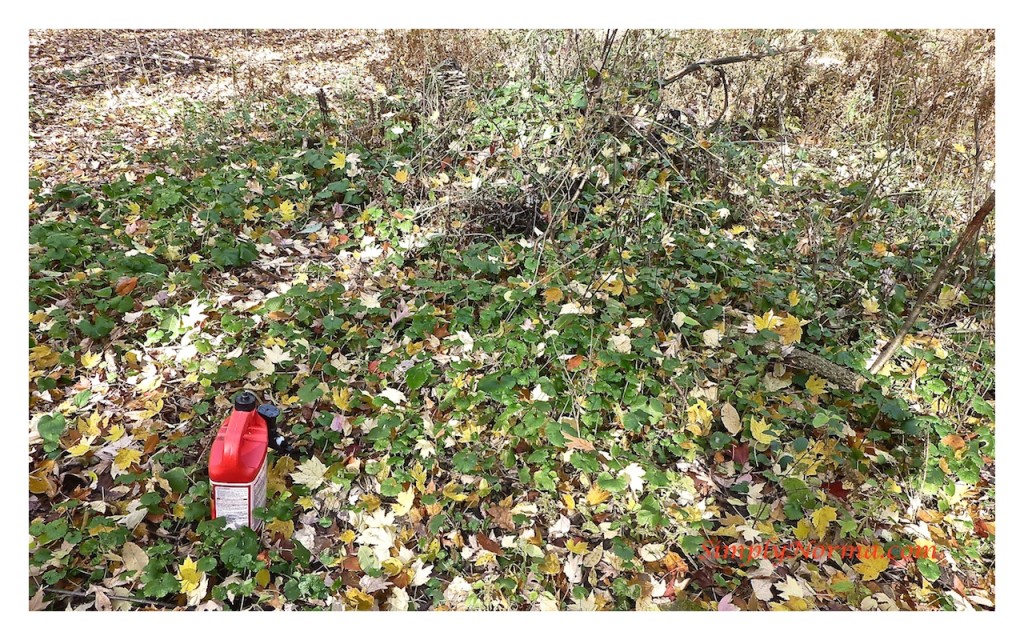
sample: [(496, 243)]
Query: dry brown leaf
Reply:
[(572, 442), (731, 419)]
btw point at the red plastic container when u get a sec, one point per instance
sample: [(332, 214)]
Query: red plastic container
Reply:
[(238, 465)]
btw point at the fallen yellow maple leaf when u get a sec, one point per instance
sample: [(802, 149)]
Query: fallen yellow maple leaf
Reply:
[(871, 567), (287, 210), (698, 418), (815, 385), (553, 295), (789, 330), (90, 359), (126, 458), (767, 320), (189, 575), (285, 527), (870, 305), (821, 519), (759, 430), (551, 565), (597, 495), (803, 529)]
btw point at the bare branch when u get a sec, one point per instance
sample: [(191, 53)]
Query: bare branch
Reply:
[(693, 67)]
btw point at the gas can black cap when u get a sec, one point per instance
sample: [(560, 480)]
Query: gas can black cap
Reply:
[(245, 401), (269, 411)]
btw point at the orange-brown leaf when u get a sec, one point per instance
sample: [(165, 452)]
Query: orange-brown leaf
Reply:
[(574, 363), (125, 285)]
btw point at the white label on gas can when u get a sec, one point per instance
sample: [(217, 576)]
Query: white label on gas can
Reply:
[(236, 502)]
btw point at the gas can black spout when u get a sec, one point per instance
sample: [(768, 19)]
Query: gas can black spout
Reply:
[(270, 414), (245, 401)]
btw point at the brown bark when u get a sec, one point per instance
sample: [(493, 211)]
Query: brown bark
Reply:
[(822, 367), (966, 237), (844, 377)]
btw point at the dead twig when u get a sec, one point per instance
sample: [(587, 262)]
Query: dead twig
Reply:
[(694, 67)]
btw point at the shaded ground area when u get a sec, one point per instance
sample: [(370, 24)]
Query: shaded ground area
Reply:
[(99, 99)]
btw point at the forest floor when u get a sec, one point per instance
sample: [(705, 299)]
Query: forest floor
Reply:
[(578, 411)]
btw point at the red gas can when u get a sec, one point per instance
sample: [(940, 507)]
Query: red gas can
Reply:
[(238, 464)]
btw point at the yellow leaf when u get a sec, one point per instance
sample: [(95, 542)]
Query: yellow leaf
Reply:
[(815, 385), (879, 249), (578, 547), (789, 331), (340, 397), (821, 519), (263, 578), (90, 359), (870, 305), (794, 298), (134, 208), (347, 536), (948, 297), (126, 458), (358, 599), (401, 176), (570, 502), (551, 565), (405, 500), (285, 527), (91, 427), (803, 529), (189, 575), (81, 448), (116, 433), (38, 483), (597, 495), (338, 160), (392, 567), (553, 295), (419, 474), (871, 567), (959, 148), (274, 170), (452, 492), (698, 418), (768, 320), (613, 287), (759, 429), (919, 368), (287, 210), (249, 214)]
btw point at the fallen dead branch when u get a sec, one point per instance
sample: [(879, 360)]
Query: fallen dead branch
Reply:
[(694, 67)]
